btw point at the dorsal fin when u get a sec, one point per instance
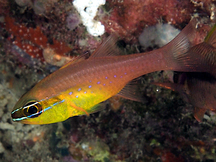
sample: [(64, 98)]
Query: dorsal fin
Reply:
[(130, 91), (77, 59), (211, 37), (107, 48)]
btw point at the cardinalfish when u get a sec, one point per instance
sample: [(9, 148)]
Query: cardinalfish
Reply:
[(79, 87), (199, 88)]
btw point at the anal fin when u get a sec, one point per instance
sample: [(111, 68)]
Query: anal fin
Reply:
[(130, 91), (199, 114)]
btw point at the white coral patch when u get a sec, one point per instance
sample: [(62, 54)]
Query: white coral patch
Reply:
[(88, 10), (159, 35)]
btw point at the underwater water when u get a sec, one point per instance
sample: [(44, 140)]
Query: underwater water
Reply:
[(162, 128)]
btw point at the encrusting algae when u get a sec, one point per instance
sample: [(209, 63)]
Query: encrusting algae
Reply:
[(80, 86)]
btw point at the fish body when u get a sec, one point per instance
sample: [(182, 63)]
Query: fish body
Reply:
[(201, 93), (77, 88)]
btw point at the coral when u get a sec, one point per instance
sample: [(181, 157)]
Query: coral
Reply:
[(169, 157), (88, 10), (33, 41), (39, 6), (127, 18), (96, 148), (159, 35), (73, 20), (54, 58), (206, 7), (23, 3), (4, 7)]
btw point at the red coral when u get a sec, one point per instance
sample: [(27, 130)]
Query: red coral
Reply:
[(170, 157), (129, 17), (33, 41)]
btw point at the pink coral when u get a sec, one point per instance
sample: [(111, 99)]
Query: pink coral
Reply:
[(129, 17)]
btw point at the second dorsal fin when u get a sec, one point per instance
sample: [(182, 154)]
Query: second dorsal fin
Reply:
[(107, 48), (77, 59)]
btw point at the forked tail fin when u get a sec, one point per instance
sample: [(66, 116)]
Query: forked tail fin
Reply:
[(187, 57), (202, 57), (177, 50)]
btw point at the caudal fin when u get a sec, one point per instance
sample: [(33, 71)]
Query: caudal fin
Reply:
[(188, 57), (202, 57), (177, 49)]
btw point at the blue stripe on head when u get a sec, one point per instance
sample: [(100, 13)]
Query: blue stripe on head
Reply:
[(54, 104)]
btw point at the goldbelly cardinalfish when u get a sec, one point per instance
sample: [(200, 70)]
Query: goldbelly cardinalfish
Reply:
[(78, 88), (199, 88)]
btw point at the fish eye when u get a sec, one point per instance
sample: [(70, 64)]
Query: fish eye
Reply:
[(32, 109)]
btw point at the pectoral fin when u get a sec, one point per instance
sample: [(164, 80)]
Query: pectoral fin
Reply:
[(180, 88), (79, 109), (172, 86)]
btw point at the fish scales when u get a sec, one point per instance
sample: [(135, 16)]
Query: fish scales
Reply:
[(97, 69)]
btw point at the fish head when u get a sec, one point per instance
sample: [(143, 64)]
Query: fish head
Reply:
[(31, 110)]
